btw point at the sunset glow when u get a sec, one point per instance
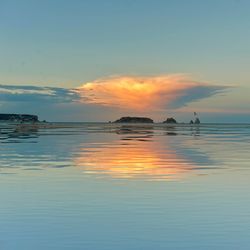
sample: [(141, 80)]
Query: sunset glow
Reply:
[(138, 93), (135, 159)]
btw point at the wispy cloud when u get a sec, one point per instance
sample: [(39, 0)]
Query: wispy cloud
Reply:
[(151, 93), (196, 93), (11, 93)]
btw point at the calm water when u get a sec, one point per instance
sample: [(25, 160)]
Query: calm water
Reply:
[(106, 186)]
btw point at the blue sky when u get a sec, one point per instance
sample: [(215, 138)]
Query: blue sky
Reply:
[(64, 44)]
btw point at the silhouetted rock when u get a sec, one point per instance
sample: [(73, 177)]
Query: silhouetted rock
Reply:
[(18, 117), (191, 122), (134, 120), (170, 120), (197, 121)]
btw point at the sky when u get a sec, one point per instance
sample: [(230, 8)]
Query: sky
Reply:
[(96, 60)]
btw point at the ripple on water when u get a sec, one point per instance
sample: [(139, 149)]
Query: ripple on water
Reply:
[(126, 151)]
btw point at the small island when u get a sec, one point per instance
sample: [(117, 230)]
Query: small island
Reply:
[(19, 117), (170, 120), (128, 119)]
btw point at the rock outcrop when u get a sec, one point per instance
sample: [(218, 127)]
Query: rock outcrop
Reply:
[(170, 120), (128, 119), (19, 117), (197, 121)]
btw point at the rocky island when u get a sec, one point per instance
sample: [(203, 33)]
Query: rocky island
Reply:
[(196, 121), (128, 119), (19, 117), (170, 120)]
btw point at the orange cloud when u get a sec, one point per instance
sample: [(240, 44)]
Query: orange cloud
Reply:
[(140, 93)]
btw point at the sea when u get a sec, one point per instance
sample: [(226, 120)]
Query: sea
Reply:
[(106, 186)]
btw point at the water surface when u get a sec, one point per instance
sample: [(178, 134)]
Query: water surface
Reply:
[(110, 186)]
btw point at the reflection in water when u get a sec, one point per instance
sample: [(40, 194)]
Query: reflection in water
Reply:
[(136, 159), (54, 202), (195, 130), (170, 130), (136, 133), (138, 129), (15, 132), (136, 155), (122, 151)]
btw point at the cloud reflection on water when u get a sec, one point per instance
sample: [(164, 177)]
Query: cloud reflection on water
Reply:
[(152, 152), (138, 153)]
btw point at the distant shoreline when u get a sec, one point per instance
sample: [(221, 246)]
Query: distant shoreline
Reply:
[(125, 123)]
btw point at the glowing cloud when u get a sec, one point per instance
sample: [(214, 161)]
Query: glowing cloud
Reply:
[(151, 93)]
